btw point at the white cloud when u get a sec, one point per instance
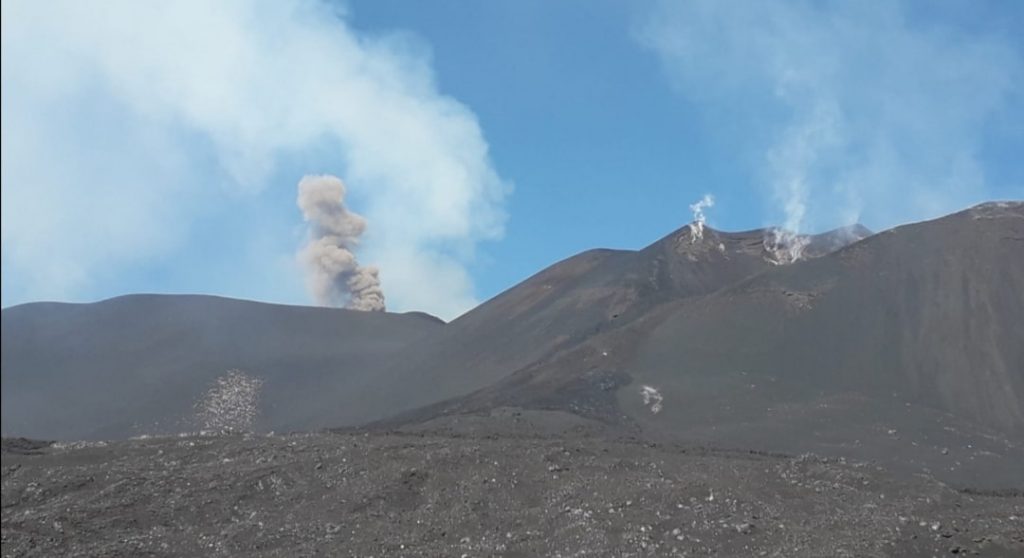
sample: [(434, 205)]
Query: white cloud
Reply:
[(120, 117), (848, 107)]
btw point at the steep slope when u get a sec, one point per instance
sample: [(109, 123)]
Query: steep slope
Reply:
[(561, 307), (906, 347), (139, 364), (932, 312)]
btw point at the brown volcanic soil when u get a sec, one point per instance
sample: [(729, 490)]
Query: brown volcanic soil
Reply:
[(445, 494)]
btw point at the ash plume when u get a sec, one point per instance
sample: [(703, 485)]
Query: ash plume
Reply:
[(334, 276), (697, 226)]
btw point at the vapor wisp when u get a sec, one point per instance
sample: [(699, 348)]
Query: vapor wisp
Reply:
[(697, 226), (334, 276), (784, 246)]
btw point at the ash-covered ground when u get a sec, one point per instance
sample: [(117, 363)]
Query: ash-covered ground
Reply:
[(507, 493)]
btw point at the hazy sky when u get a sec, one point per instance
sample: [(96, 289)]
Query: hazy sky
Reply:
[(156, 146)]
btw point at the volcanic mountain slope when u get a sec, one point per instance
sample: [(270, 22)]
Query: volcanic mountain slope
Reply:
[(584, 411), (140, 364), (593, 293), (906, 347)]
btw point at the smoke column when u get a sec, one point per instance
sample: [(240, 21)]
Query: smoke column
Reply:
[(334, 276), (697, 227)]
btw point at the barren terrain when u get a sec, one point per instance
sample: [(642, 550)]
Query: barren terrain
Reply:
[(446, 494)]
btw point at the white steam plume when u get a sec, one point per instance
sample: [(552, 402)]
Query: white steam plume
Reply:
[(785, 246), (138, 124), (334, 276), (697, 226), (790, 164), (844, 108)]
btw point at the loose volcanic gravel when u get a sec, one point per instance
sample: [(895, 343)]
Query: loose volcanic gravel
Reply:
[(438, 494)]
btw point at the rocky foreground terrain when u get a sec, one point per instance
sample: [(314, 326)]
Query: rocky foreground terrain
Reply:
[(445, 493)]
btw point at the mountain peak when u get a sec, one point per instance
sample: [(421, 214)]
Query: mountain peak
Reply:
[(997, 209), (775, 245)]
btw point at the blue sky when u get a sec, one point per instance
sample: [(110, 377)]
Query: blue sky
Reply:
[(157, 148)]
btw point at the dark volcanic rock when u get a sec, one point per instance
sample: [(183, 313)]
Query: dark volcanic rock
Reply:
[(435, 494), (26, 446)]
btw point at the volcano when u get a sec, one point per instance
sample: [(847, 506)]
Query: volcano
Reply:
[(904, 347)]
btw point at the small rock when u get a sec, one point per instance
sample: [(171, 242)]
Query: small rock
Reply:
[(744, 528)]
